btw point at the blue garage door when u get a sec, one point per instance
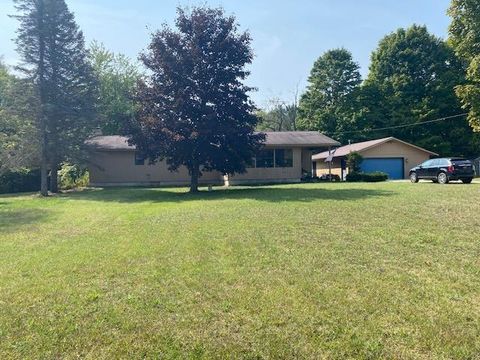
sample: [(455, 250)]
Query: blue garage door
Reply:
[(392, 166)]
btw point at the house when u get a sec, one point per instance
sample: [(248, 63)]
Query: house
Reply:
[(285, 157), (389, 155)]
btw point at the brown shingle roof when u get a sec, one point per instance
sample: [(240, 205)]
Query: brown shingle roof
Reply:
[(287, 138), (299, 138), (362, 146)]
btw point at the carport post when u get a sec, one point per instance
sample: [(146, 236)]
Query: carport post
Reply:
[(330, 163)]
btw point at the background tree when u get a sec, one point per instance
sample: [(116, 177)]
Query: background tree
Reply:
[(18, 140), (465, 39), (56, 62), (412, 79), (117, 77), (279, 116), (194, 107), (327, 105)]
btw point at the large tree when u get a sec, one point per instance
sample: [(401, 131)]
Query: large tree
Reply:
[(465, 38), (327, 105), (194, 108), (56, 61), (412, 79), (117, 77), (18, 140)]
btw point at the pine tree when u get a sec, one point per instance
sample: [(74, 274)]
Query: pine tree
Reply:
[(55, 59)]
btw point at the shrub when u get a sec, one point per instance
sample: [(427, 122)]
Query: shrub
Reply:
[(375, 177), (73, 176), (367, 177), (22, 180), (354, 160), (354, 177)]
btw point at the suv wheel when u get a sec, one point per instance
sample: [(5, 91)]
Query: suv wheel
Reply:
[(442, 178), (467, 181), (414, 177)]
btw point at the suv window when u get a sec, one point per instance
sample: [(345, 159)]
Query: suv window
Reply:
[(427, 163), (460, 162)]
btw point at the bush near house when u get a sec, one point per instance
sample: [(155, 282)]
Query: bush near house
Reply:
[(73, 176), (367, 177)]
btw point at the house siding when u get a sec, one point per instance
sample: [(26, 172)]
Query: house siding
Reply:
[(117, 168), (322, 167), (271, 175)]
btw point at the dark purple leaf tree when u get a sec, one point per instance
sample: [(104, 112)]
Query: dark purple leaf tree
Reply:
[(194, 108)]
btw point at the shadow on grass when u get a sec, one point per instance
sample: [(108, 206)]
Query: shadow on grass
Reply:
[(18, 219), (268, 194)]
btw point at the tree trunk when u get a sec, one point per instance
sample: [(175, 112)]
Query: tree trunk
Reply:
[(195, 174), (44, 159), (54, 179), (42, 121), (44, 177)]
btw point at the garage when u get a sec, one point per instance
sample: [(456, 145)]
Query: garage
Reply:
[(391, 166), (389, 155)]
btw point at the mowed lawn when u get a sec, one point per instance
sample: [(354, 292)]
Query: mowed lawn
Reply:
[(297, 271)]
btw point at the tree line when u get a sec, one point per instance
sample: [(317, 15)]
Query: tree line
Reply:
[(185, 100), (420, 88)]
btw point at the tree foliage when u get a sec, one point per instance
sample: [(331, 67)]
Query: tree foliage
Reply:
[(279, 116), (194, 108), (327, 104), (117, 77), (18, 140), (354, 162), (465, 39), (412, 79), (56, 62)]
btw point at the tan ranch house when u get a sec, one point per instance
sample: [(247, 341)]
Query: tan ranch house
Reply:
[(285, 158), (389, 155)]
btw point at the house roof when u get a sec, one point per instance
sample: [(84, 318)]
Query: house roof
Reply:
[(287, 138), (299, 138), (362, 146)]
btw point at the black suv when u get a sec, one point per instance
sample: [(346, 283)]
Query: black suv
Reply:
[(444, 170)]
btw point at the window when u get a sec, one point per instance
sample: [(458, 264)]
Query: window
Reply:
[(265, 159), (427, 163), (139, 159), (284, 158)]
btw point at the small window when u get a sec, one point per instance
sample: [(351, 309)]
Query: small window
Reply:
[(265, 159), (139, 159), (284, 158)]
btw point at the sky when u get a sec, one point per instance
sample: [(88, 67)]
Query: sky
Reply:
[(288, 35)]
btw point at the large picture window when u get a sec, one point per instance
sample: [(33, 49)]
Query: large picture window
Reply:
[(265, 159), (283, 158), (269, 158)]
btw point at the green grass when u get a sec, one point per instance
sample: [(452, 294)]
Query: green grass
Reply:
[(300, 271)]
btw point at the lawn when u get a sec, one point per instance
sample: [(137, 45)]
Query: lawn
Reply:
[(368, 271)]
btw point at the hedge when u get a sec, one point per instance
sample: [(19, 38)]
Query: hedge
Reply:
[(23, 180), (367, 177)]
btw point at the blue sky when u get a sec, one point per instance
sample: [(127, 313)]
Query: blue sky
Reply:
[(288, 35)]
